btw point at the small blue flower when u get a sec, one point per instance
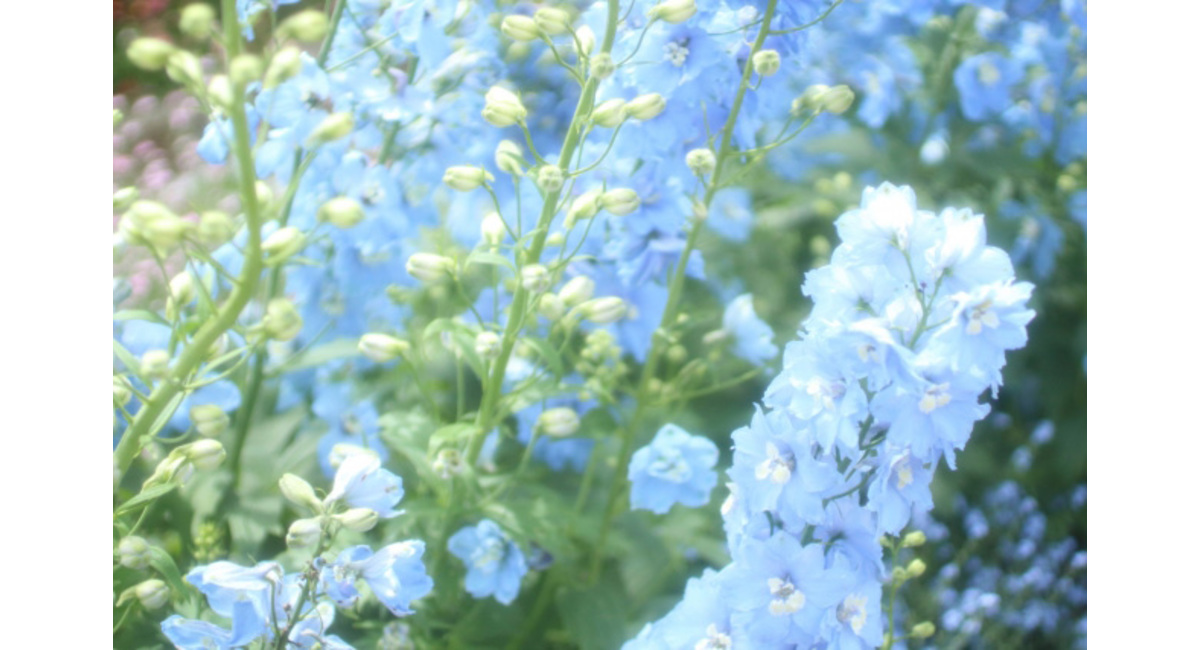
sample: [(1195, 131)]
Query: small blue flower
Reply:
[(395, 575), (494, 562), (752, 337), (361, 483), (676, 467)]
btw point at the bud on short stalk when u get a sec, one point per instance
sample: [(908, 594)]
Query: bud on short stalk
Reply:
[(587, 40), (304, 533), (605, 310), (601, 66), (124, 197), (210, 420), (520, 28), (155, 364), (621, 201), (509, 158), (502, 107), (341, 211), (308, 26), (646, 107), (429, 268), (923, 630), (577, 290), (551, 307), (915, 569), (558, 422), (487, 345), (282, 244), (609, 113), (585, 206), (184, 69), (465, 178), (382, 348), (447, 463), (205, 455), (283, 66), (220, 92), (133, 552), (282, 322), (197, 21), (334, 127), (491, 229), (673, 11), (245, 68), (149, 53), (299, 492), (122, 391), (535, 278), (152, 594), (552, 21), (359, 520), (549, 178), (215, 228), (766, 62), (915, 538), (702, 162)]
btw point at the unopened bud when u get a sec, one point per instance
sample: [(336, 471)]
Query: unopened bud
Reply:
[(197, 20), (124, 197), (838, 100), (133, 552), (620, 201), (429, 267), (487, 345), (447, 463), (601, 66), (299, 492), (550, 178), (810, 99), (263, 193), (304, 533), (898, 574), (551, 307), (210, 420), (646, 107), (915, 538), (502, 107), (587, 40), (915, 569), (215, 228), (151, 223), (923, 630), (220, 92), (149, 53), (509, 158), (465, 178), (382, 348), (308, 26), (491, 229), (702, 162), (184, 68), (284, 65), (553, 21), (677, 354), (245, 68), (205, 455), (577, 290), (585, 206), (334, 127), (609, 113), (605, 310), (282, 322), (359, 520), (122, 391), (520, 28), (152, 593), (556, 239), (673, 11), (282, 244), (535, 278), (341, 211), (766, 62), (155, 363), (558, 422)]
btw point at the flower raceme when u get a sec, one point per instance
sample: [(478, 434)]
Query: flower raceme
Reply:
[(910, 324)]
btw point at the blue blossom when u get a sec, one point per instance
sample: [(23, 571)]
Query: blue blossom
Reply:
[(984, 83), (361, 483), (189, 634), (751, 336), (395, 574), (676, 467), (494, 562)]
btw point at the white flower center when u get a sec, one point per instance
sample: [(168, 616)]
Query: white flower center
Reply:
[(853, 610), (676, 53), (778, 467), (486, 557), (714, 640), (786, 598), (936, 396), (671, 467), (982, 316)]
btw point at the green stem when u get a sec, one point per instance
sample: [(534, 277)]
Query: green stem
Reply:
[(195, 353)]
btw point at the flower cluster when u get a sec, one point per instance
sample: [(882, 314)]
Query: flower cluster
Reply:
[(910, 324)]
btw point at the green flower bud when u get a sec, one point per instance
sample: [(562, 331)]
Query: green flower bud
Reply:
[(282, 322), (601, 66), (180, 292), (587, 40), (299, 492), (766, 62), (558, 422), (810, 99), (173, 468), (447, 463), (382, 348), (263, 193), (585, 206), (677, 354), (184, 68), (673, 11), (155, 363), (152, 593), (702, 162), (898, 574), (646, 107), (923, 630), (605, 310), (556, 239), (283, 66), (520, 28), (205, 455), (915, 538), (621, 201), (492, 229), (334, 127), (220, 93), (122, 391), (149, 53), (304, 533), (359, 520), (133, 552), (210, 420), (197, 20), (245, 68), (535, 278), (509, 158), (124, 197), (487, 345), (551, 307), (308, 26), (552, 21), (150, 223), (215, 228), (915, 569), (502, 107), (282, 244), (577, 290), (465, 178), (610, 113), (341, 211), (550, 178), (838, 100), (429, 268)]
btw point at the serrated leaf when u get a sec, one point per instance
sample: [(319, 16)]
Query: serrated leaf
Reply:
[(144, 497)]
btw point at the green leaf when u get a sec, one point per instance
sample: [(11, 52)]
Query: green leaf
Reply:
[(595, 615), (162, 562), (140, 314), (547, 353), (166, 414), (144, 497), (450, 434), (126, 357)]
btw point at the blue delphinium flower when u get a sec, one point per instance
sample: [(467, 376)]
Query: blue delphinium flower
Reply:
[(395, 575), (984, 83), (361, 483), (495, 564), (751, 336), (190, 634), (676, 467)]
